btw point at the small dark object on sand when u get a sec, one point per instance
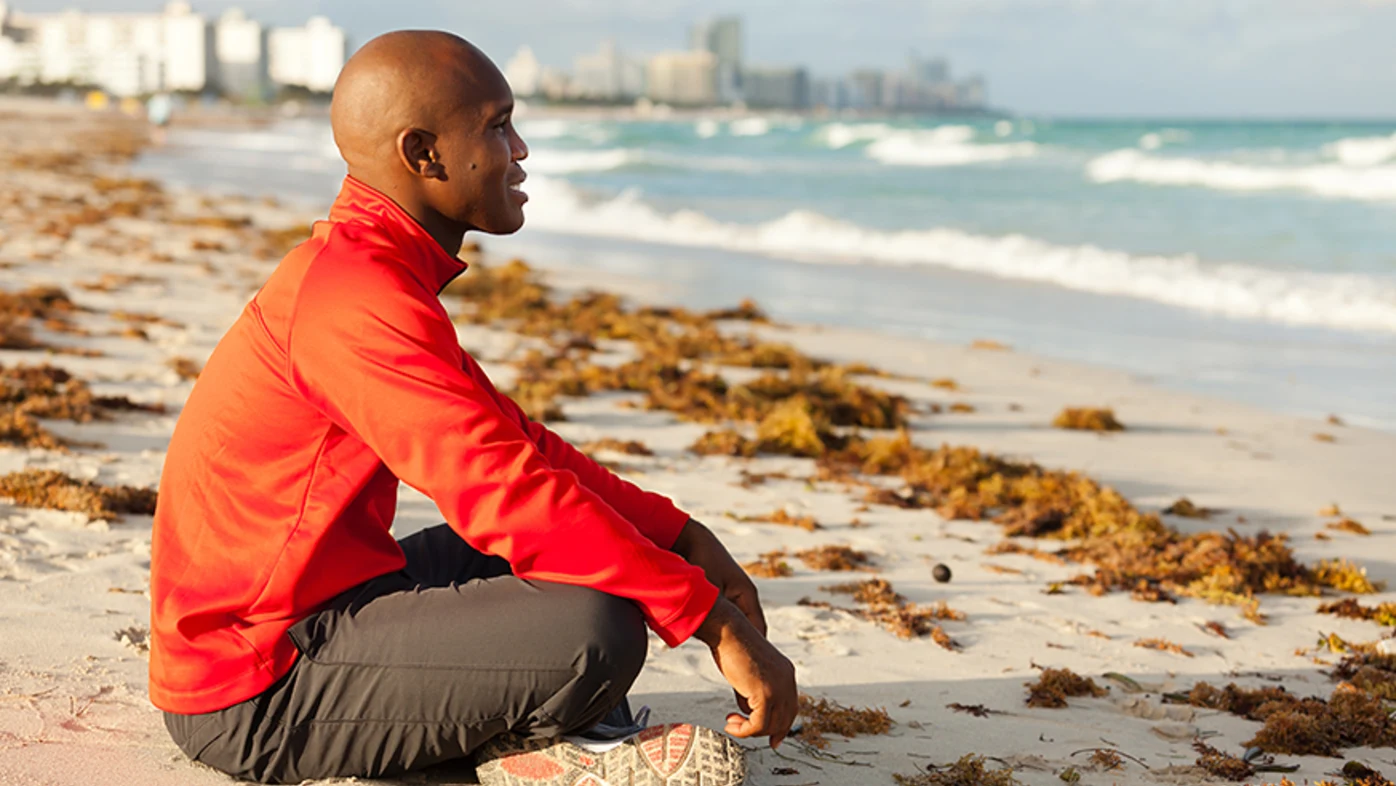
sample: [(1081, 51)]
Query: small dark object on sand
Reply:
[(941, 573)]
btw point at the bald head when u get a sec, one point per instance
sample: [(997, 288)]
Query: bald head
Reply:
[(426, 118), (407, 79)]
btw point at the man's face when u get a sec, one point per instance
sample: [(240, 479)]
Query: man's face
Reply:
[(480, 152)]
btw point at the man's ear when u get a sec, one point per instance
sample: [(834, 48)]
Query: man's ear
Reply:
[(417, 149)]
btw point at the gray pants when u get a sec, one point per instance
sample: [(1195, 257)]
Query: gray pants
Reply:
[(425, 665)]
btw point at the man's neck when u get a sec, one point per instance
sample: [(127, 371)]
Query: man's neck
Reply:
[(448, 234)]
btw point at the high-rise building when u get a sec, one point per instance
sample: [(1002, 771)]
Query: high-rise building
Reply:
[(126, 54), (310, 56), (607, 75), (682, 78), (776, 88), (721, 36), (240, 49), (865, 89), (523, 72)]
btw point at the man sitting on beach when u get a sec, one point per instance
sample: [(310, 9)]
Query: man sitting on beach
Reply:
[(292, 636)]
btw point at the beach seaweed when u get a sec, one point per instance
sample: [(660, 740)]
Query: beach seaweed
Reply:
[(835, 558), (1087, 419), (823, 717), (35, 488), (771, 565), (1054, 686), (1222, 765), (969, 770)]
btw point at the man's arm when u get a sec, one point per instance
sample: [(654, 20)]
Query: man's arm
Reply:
[(653, 514), (383, 364)]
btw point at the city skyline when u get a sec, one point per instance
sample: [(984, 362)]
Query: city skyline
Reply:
[(1191, 58)]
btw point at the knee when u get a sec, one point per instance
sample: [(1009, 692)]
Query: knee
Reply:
[(614, 639)]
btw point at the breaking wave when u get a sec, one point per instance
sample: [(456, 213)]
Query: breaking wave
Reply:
[(1328, 180), (936, 147), (1344, 301)]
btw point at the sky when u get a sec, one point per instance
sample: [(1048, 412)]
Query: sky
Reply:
[(1095, 58)]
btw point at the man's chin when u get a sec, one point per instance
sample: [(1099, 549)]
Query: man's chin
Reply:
[(506, 226)]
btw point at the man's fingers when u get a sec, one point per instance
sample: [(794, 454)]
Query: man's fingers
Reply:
[(742, 703), (753, 726)]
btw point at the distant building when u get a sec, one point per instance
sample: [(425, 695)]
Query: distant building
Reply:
[(130, 54), (554, 84), (973, 92), (523, 73), (240, 51), (125, 54), (607, 75), (682, 78), (828, 93), (310, 56), (776, 88), (865, 89), (722, 37)]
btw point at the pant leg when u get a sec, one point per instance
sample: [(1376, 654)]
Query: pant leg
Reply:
[(419, 675), (437, 556)]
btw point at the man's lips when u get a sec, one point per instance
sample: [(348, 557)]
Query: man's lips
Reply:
[(514, 186)]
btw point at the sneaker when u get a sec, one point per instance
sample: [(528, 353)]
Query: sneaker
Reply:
[(674, 754)]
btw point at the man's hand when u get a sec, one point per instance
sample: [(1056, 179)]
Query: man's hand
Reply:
[(699, 546), (763, 678)]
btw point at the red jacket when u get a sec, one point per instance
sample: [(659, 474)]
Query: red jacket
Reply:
[(341, 377)]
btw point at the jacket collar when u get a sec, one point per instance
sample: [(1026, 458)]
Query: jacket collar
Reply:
[(358, 201)]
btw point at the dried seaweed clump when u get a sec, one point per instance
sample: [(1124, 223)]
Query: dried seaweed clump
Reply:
[(50, 306), (823, 717), (780, 516), (771, 565), (1162, 645), (835, 558), (670, 343), (1131, 550), (726, 442), (1055, 685), (1349, 526), (1087, 419), (184, 368), (31, 392), (1351, 609), (1220, 764), (890, 609), (968, 771), (1355, 773), (628, 447), (1351, 717), (1185, 508), (1346, 577), (35, 488), (1313, 727)]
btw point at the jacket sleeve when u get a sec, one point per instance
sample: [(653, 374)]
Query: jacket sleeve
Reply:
[(378, 355), (653, 514)]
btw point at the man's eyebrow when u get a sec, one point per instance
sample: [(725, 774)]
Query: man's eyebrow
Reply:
[(501, 112)]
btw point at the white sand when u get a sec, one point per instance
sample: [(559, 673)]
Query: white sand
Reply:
[(73, 706)]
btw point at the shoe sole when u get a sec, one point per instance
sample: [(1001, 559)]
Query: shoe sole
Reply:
[(675, 754)]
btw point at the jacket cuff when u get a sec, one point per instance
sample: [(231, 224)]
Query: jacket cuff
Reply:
[(682, 625), (666, 522)]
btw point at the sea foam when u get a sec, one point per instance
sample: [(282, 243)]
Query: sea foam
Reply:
[(1328, 180)]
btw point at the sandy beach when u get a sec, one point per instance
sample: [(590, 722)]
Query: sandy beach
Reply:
[(150, 278)]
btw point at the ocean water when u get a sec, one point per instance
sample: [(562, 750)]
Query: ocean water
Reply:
[(1250, 260)]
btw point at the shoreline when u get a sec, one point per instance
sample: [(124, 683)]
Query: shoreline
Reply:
[(73, 591)]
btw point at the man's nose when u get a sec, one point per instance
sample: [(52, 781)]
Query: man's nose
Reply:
[(519, 148)]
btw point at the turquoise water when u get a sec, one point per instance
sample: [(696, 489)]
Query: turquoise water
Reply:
[(1250, 260)]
